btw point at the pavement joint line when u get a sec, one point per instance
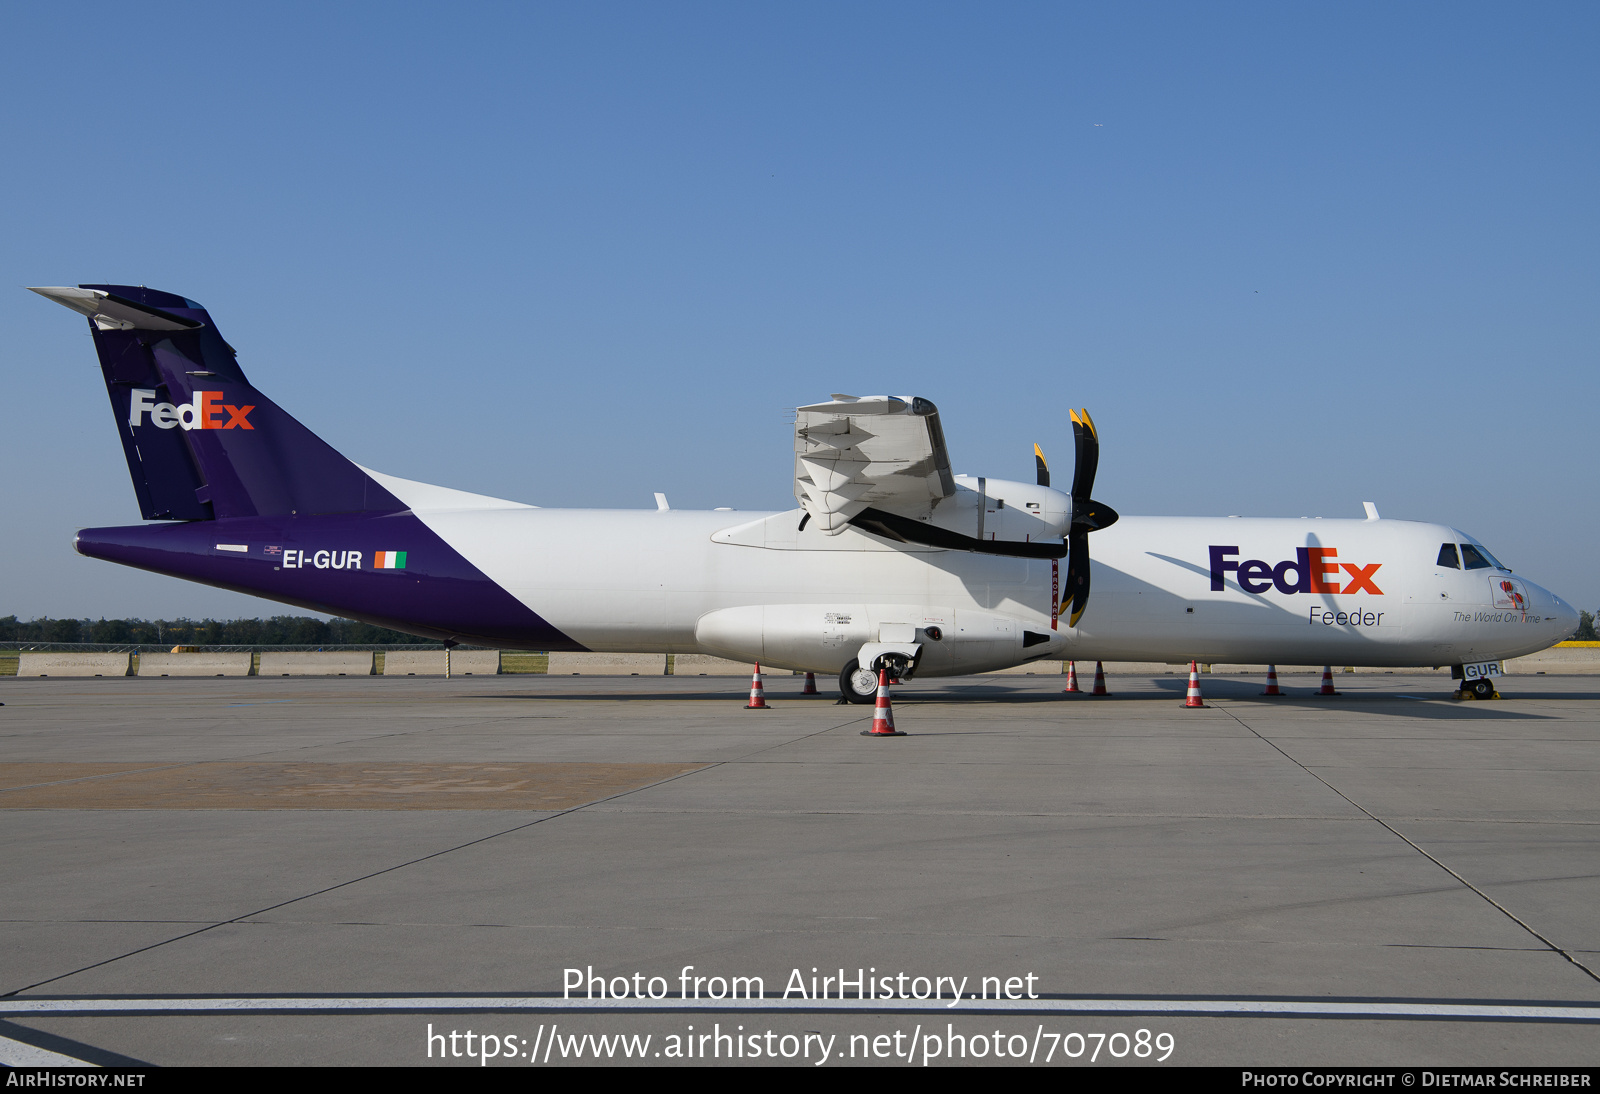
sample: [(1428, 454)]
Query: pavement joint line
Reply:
[(896, 931), (781, 744), (984, 813), (331, 888), (1426, 1010), (306, 896), (119, 922), (1587, 971), (899, 932)]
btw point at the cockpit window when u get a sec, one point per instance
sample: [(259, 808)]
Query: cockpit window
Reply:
[(1478, 558), (1447, 557)]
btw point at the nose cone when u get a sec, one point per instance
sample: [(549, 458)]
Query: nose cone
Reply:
[(1563, 616)]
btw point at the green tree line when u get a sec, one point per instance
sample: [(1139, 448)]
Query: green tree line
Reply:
[(280, 630)]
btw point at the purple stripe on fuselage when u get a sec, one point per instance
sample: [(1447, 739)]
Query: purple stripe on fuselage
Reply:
[(330, 568)]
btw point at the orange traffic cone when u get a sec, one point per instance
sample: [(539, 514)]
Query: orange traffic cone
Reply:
[(758, 698), (1099, 680), (811, 684), (1194, 699), (883, 713), (1272, 681), (1327, 681), (1072, 679)]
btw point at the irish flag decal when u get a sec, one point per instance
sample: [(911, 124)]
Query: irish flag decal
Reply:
[(389, 560)]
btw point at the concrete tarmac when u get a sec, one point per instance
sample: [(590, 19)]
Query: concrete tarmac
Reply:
[(219, 855)]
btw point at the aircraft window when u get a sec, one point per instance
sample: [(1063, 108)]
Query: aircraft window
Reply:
[(1447, 557), (1476, 558), (1495, 562)]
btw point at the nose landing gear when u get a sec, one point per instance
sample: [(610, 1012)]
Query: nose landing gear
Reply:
[(1476, 681)]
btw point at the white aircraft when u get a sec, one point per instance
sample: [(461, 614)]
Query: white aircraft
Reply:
[(889, 562)]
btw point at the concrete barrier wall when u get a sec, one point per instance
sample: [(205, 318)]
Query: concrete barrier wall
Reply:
[(194, 664), (1316, 670), (1132, 668), (1159, 668), (1559, 660), (432, 663), (608, 664), (73, 664), (475, 662), (413, 663), (701, 664), (316, 664)]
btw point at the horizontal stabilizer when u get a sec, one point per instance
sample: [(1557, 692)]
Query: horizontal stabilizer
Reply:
[(112, 312)]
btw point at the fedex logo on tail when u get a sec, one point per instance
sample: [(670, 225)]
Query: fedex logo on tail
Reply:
[(1312, 570), (206, 411)]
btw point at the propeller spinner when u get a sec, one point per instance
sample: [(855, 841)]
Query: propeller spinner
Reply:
[(1088, 515)]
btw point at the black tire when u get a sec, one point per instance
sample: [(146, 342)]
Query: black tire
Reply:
[(1483, 689), (854, 675)]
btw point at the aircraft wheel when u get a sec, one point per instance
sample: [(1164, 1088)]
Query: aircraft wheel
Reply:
[(857, 684), (1483, 689)]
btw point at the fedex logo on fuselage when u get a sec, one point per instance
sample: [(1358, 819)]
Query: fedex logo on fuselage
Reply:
[(206, 411), (1311, 570)]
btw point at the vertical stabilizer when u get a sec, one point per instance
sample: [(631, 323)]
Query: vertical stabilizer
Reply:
[(200, 441)]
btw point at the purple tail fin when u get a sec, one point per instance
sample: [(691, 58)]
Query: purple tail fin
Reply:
[(201, 443)]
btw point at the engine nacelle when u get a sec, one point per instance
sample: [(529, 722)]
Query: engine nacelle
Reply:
[(1003, 510)]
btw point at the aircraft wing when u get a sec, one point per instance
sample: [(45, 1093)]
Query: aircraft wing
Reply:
[(881, 451)]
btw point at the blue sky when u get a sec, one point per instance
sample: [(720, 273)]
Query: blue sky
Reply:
[(1292, 257)]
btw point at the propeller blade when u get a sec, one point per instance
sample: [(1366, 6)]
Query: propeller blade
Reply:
[(1076, 587), (1088, 516), (1040, 468), (1087, 442)]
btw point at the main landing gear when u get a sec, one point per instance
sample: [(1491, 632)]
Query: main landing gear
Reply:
[(860, 685)]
